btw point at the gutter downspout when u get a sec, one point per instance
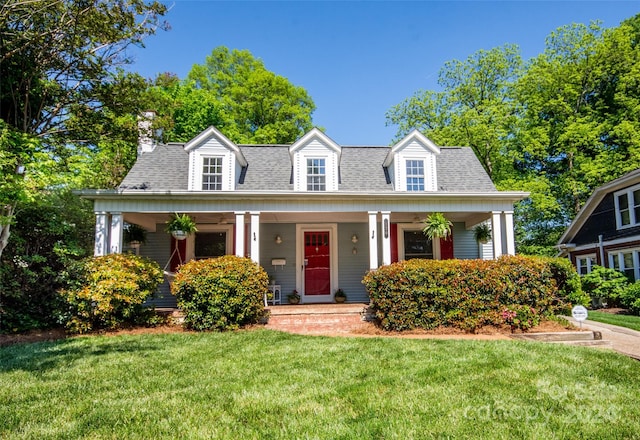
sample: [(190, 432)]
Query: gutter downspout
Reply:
[(601, 247)]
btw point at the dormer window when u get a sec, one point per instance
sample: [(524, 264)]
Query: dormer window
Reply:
[(316, 175), (212, 173), (415, 175)]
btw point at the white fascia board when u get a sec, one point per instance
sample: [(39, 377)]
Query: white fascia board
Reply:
[(214, 132), (513, 196), (594, 200), (315, 133), (413, 135)]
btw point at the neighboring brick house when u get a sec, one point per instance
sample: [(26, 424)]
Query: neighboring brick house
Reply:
[(316, 215), (606, 231)]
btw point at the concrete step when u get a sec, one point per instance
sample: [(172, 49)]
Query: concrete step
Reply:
[(559, 336), (594, 343)]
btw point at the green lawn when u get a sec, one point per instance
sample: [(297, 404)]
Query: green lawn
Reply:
[(628, 321), (270, 385)]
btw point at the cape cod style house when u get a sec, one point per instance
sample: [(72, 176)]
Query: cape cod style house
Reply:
[(314, 214), (606, 231)]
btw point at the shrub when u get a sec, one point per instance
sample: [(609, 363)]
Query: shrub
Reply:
[(568, 282), (50, 236), (466, 294), (520, 317), (220, 293), (630, 298), (111, 292), (604, 286)]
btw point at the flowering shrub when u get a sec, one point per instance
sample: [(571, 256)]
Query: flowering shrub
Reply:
[(110, 292), (466, 294), (220, 293), (520, 317)]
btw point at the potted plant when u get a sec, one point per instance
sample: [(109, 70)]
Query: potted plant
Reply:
[(293, 297), (482, 233), (181, 226), (340, 296), (436, 225), (134, 235)]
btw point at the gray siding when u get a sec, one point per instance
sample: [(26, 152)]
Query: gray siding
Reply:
[(464, 245), (269, 249), (352, 268), (158, 248)]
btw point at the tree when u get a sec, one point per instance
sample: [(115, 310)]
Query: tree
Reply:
[(59, 64), (475, 107), (254, 104)]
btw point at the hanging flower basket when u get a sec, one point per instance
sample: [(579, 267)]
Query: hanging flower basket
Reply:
[(181, 226), (436, 225), (482, 233)]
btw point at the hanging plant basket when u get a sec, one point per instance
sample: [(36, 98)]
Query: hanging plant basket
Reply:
[(181, 226), (482, 233), (134, 235), (437, 226)]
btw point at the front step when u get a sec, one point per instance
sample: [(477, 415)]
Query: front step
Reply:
[(317, 319), (582, 339)]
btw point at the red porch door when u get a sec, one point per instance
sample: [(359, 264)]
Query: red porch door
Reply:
[(317, 256)]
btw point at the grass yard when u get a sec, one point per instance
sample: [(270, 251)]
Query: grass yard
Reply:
[(628, 321), (270, 385)]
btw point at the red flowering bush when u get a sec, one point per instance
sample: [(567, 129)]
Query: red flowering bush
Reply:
[(111, 291), (520, 317), (465, 294), (220, 293)]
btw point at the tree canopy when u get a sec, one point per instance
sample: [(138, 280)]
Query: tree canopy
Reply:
[(235, 92), (558, 125)]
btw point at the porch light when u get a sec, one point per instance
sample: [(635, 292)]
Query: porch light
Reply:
[(354, 239), (278, 239), (354, 251)]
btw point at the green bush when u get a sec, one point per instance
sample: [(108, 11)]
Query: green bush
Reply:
[(220, 293), (630, 298), (568, 282), (465, 294), (111, 292), (520, 317), (50, 235), (604, 286)]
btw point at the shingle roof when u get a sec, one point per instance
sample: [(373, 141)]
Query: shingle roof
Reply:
[(166, 168)]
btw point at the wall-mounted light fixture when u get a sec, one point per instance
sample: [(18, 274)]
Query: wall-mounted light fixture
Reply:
[(354, 239), (278, 239), (354, 251)]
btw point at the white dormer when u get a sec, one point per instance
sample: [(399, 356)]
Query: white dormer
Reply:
[(215, 163), (315, 159), (412, 163)]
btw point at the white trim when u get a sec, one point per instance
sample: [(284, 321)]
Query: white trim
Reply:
[(615, 242), (509, 232), (333, 257), (372, 235), (116, 233), (633, 221), (228, 245), (618, 255), (255, 236), (101, 234), (496, 233), (213, 132), (413, 227), (386, 237), (587, 258), (239, 233), (414, 135)]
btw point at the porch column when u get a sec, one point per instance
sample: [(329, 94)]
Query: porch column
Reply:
[(508, 227), (386, 237), (115, 239), (496, 228), (255, 236), (100, 247), (239, 234), (373, 239)]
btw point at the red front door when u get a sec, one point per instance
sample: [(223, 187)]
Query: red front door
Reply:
[(317, 256)]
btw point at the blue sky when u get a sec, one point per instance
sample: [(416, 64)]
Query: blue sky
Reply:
[(357, 59)]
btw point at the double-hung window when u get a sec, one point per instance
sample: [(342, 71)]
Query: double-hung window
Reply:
[(628, 207), (415, 175), (212, 173), (584, 263), (316, 175), (626, 261)]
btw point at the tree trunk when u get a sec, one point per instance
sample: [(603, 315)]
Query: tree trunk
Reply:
[(6, 213)]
